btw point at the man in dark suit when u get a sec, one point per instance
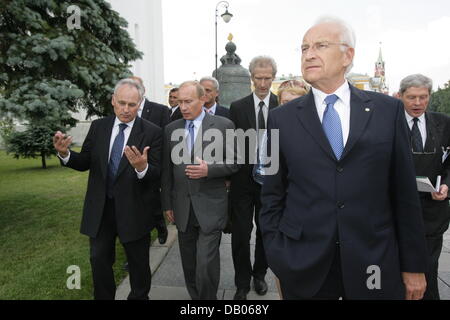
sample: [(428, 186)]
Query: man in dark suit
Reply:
[(175, 112), (117, 201), (211, 86), (250, 113), (194, 195), (159, 115), (430, 144), (341, 218)]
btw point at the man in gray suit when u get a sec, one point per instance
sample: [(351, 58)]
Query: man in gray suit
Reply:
[(194, 195)]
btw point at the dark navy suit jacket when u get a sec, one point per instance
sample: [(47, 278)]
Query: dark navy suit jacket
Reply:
[(367, 201)]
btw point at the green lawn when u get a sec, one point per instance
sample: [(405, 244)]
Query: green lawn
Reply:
[(40, 214)]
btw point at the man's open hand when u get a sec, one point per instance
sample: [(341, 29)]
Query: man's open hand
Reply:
[(61, 142), (137, 160)]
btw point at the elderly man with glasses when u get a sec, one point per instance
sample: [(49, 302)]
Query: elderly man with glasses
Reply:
[(341, 218), (430, 141)]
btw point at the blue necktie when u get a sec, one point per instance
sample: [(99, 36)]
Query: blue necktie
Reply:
[(114, 159), (332, 126), (191, 136)]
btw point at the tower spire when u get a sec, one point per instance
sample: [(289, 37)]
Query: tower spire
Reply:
[(380, 56)]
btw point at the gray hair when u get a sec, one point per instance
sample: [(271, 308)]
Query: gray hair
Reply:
[(263, 61), (131, 83), (213, 80), (347, 34), (416, 81), (199, 88)]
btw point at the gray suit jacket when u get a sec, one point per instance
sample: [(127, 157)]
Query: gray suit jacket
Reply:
[(208, 195)]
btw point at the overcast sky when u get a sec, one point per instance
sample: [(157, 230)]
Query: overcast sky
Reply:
[(414, 34)]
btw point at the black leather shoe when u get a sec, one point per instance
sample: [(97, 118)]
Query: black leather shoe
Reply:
[(162, 232), (241, 294), (260, 286)]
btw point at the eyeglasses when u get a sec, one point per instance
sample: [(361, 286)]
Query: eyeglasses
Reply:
[(321, 46)]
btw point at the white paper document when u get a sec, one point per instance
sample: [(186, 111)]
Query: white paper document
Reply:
[(424, 185)]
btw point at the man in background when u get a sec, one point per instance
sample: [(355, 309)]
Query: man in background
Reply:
[(430, 146), (175, 112), (211, 86), (250, 112), (157, 114)]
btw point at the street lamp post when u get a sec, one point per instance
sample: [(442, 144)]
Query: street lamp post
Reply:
[(226, 17)]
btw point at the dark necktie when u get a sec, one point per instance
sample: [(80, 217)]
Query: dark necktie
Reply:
[(261, 122), (416, 137), (257, 168), (114, 159), (332, 126)]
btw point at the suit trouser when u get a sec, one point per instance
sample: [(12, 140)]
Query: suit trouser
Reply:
[(103, 255), (434, 245), (200, 258), (331, 289), (244, 205)]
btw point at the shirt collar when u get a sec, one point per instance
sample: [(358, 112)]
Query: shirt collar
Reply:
[(410, 119), (129, 124), (258, 100), (197, 121), (343, 93), (213, 108)]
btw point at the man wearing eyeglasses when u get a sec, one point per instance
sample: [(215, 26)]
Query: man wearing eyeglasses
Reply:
[(430, 138), (342, 218)]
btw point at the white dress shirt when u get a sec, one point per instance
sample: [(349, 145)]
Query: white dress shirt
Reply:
[(211, 110), (342, 107), (114, 133), (421, 124), (197, 124), (172, 110), (265, 108)]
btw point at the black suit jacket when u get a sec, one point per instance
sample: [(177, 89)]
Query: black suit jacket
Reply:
[(436, 214), (222, 111), (159, 115), (176, 115), (132, 202), (242, 113), (367, 201), (156, 113)]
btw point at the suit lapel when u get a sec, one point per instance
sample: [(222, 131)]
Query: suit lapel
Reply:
[(208, 122), (432, 132), (147, 110), (104, 143), (361, 109), (134, 139), (273, 102), (250, 112), (307, 114)]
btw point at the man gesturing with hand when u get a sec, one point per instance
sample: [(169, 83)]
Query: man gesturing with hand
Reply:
[(122, 154)]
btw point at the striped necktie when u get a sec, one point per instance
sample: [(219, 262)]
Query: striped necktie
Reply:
[(332, 126)]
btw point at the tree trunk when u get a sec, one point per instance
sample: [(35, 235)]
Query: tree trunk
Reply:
[(44, 165)]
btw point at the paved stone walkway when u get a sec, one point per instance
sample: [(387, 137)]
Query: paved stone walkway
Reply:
[(168, 281)]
